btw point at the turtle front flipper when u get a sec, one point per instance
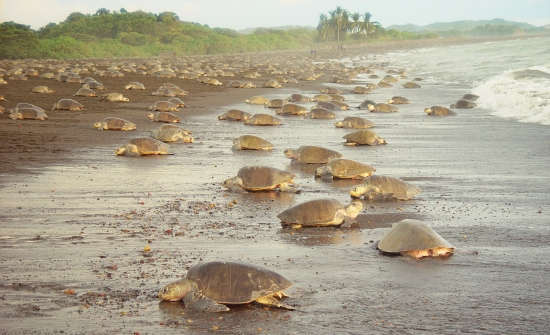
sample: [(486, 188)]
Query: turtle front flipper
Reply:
[(196, 301), (290, 188), (272, 301)]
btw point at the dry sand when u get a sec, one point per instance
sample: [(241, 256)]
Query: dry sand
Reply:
[(75, 220)]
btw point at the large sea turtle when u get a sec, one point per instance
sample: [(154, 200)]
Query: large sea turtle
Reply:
[(27, 112), (375, 187), (415, 239), (354, 122), (398, 100), (382, 108), (411, 84), (163, 117), (345, 169), (319, 213), (257, 100), (292, 109), (134, 85), (208, 287), (114, 97), (172, 133), (67, 104), (85, 92), (464, 104), (276, 103), (321, 113), (164, 106), (299, 98), (143, 146), (367, 104), (234, 115), (309, 154), (115, 123), (251, 142), (470, 97), (42, 89), (363, 137), (262, 120), (261, 178), (438, 111)]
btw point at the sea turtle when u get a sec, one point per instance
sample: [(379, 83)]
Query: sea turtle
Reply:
[(164, 106), (94, 85), (251, 142), (322, 97), (257, 100), (415, 239), (321, 113), (292, 109), (398, 100), (134, 85), (411, 84), (172, 133), (309, 154), (321, 213), (276, 103), (384, 84), (464, 104), (299, 98), (142, 146), (29, 112), (68, 104), (354, 122), (207, 287), (261, 178), (367, 104), (337, 97), (363, 137), (345, 169), (234, 115), (115, 123), (272, 83), (42, 89), (340, 105), (114, 97), (328, 105), (438, 111), (163, 117), (360, 90), (262, 120), (382, 108), (390, 79), (177, 101), (85, 92), (470, 97), (374, 187), (211, 82), (330, 90)]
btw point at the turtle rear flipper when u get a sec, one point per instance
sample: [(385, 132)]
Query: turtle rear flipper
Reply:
[(271, 301), (198, 302)]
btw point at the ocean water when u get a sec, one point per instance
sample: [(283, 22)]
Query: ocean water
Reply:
[(511, 77)]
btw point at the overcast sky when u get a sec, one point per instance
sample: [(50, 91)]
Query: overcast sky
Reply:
[(239, 14)]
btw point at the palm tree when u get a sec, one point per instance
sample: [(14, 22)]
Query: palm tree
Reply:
[(339, 20), (366, 22), (356, 25), (323, 27)]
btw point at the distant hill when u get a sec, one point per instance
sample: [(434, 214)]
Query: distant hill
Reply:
[(464, 26), (284, 28)]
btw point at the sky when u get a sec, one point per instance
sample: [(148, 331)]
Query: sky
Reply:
[(240, 14)]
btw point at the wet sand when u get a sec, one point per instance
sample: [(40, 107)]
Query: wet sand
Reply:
[(75, 219)]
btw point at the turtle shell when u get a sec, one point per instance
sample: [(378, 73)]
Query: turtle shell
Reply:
[(292, 109), (318, 212), (149, 146), (236, 283), (263, 120), (321, 113), (168, 133), (259, 178), (346, 168), (234, 115), (410, 235), (384, 108), (253, 142), (276, 103), (310, 154), (163, 106), (356, 122), (68, 104), (364, 137), (115, 123), (393, 186)]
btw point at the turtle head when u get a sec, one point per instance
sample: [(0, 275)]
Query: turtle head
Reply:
[(98, 125), (359, 190), (120, 151), (322, 171), (127, 150), (290, 153), (380, 140), (370, 107), (187, 139), (237, 144), (339, 124), (151, 116), (354, 208), (177, 290), (390, 101), (125, 99), (234, 183), (246, 116), (15, 115), (428, 111)]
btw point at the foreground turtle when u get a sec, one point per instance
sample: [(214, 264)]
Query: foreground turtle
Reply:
[(438, 111), (164, 106), (363, 137), (115, 123), (464, 104), (30, 112), (172, 133), (68, 104), (354, 123), (382, 108), (321, 213), (143, 146), (345, 169), (134, 85), (114, 97), (163, 117), (42, 89), (398, 100), (209, 286), (415, 239), (257, 100), (261, 178), (309, 154), (262, 120), (234, 115), (292, 109), (374, 187), (251, 142)]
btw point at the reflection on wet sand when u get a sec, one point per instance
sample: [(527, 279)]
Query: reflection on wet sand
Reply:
[(314, 236)]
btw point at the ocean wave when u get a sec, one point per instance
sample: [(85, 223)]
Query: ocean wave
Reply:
[(522, 95)]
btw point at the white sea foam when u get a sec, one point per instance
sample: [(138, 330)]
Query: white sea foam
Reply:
[(523, 95)]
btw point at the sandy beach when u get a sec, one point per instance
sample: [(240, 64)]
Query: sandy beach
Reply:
[(76, 218)]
